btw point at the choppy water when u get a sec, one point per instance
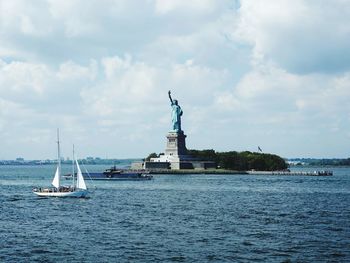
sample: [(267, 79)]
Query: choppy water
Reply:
[(188, 218)]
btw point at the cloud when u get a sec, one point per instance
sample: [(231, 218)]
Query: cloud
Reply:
[(41, 87), (19, 78), (57, 31), (300, 36), (271, 90), (21, 17), (203, 6)]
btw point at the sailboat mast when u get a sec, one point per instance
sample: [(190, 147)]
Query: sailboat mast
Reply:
[(58, 157), (73, 167)]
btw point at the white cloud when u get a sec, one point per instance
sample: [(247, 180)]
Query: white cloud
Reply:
[(22, 17), (301, 36), (38, 86), (70, 70), (20, 77), (166, 6), (273, 90)]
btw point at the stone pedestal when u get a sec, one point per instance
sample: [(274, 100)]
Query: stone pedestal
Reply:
[(176, 157), (176, 144)]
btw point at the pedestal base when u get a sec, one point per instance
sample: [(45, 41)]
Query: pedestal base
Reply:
[(176, 144), (175, 157)]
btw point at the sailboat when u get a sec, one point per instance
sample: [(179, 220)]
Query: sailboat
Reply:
[(78, 189)]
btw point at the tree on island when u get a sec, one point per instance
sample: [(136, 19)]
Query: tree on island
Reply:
[(243, 161), (151, 155)]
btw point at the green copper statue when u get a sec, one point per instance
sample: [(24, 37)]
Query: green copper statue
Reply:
[(175, 114)]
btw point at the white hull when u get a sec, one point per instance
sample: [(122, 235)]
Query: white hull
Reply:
[(76, 193)]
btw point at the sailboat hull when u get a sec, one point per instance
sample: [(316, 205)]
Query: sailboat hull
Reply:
[(76, 193)]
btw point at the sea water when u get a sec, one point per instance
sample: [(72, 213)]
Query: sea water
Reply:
[(177, 218)]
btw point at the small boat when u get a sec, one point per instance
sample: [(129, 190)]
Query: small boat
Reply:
[(118, 174), (114, 174), (78, 189)]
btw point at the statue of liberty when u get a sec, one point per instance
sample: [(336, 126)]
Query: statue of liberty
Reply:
[(176, 114)]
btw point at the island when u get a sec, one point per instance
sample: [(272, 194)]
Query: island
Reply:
[(234, 161), (178, 159)]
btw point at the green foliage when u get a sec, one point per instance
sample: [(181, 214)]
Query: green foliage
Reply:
[(331, 162), (204, 155), (242, 161), (151, 155)]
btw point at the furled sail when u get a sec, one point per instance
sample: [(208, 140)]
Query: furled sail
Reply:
[(56, 179), (80, 179)]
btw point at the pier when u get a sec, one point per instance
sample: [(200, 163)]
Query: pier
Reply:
[(313, 173), (223, 171)]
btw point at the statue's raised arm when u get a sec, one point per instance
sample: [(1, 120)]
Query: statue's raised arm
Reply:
[(169, 94)]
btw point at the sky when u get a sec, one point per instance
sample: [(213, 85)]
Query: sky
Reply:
[(249, 73)]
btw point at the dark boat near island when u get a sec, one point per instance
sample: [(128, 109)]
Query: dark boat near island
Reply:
[(115, 174)]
